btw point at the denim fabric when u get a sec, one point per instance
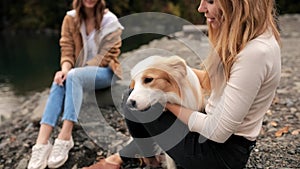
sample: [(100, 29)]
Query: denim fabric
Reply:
[(68, 98)]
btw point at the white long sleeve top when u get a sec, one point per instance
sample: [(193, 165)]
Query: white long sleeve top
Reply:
[(247, 95)]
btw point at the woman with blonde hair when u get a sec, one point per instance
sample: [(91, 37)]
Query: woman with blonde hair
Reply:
[(243, 69), (90, 45)]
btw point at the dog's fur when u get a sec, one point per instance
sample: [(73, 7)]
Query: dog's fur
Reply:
[(167, 79)]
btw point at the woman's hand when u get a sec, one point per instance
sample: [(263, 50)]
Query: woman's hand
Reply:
[(181, 113), (60, 77)]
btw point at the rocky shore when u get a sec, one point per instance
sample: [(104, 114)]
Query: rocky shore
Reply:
[(278, 145)]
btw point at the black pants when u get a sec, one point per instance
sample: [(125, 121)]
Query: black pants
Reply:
[(192, 151), (189, 150)]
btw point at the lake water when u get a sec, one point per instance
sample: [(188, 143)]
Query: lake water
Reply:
[(27, 65)]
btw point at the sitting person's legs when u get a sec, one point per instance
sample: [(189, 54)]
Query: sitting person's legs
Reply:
[(188, 149), (69, 96)]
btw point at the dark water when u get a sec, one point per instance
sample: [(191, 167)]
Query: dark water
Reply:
[(28, 62), (27, 65)]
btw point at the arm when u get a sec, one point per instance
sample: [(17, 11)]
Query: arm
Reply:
[(67, 51), (67, 42), (181, 113), (247, 76), (61, 75)]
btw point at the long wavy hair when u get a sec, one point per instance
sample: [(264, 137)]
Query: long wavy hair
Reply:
[(240, 22), (80, 14)]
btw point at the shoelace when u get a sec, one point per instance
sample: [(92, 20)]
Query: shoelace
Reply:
[(59, 148), (36, 153)]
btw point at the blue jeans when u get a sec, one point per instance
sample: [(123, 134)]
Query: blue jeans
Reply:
[(68, 98)]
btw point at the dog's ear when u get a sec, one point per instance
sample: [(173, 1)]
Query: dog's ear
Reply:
[(132, 83), (178, 65)]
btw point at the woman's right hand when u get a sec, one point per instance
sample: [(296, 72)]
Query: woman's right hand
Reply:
[(60, 77)]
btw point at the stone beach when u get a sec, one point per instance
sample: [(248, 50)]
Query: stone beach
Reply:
[(101, 130)]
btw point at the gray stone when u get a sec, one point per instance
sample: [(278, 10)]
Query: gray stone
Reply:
[(23, 164)]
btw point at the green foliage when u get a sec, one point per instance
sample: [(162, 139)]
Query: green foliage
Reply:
[(33, 14), (41, 14), (189, 11)]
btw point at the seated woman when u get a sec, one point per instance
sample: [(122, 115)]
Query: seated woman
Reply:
[(90, 45)]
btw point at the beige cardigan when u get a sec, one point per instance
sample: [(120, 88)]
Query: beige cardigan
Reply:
[(108, 40)]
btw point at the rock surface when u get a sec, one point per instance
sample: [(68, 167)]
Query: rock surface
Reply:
[(278, 145)]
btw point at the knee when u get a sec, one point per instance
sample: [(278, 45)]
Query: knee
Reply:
[(72, 76)]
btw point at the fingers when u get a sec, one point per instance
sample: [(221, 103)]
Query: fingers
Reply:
[(169, 106), (60, 77), (64, 76)]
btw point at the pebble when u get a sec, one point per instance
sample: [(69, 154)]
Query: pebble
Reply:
[(22, 164), (89, 145)]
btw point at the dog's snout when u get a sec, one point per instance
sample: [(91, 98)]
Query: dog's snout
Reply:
[(132, 103)]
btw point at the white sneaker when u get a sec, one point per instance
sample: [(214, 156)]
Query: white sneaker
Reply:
[(39, 156), (60, 152)]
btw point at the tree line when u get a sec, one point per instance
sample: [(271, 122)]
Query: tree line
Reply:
[(48, 14)]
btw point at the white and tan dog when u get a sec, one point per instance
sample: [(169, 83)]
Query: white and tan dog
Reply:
[(167, 79)]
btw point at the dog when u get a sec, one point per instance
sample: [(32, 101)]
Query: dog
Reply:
[(167, 79)]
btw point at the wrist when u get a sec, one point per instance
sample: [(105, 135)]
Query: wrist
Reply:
[(192, 120), (65, 67), (65, 71)]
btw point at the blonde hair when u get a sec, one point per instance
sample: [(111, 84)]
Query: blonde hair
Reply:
[(80, 14), (241, 21)]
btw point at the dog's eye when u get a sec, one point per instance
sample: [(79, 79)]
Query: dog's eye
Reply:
[(148, 80)]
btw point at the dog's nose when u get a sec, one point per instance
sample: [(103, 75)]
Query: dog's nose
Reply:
[(132, 103)]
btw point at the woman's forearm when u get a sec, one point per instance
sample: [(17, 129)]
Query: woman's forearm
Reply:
[(181, 113), (65, 67)]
